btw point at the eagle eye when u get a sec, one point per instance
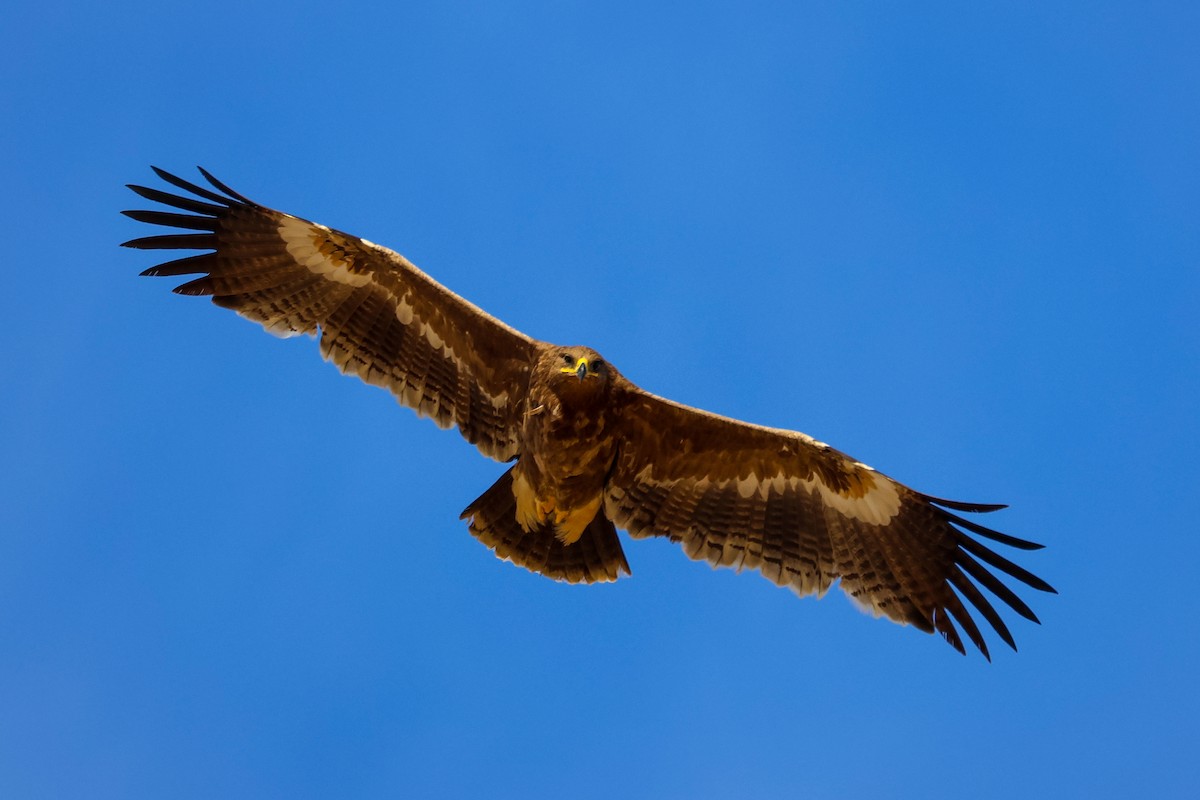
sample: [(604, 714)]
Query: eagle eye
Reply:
[(567, 359), (598, 364)]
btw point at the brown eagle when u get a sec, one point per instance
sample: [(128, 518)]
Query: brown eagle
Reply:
[(592, 451)]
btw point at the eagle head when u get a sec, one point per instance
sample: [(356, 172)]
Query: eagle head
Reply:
[(577, 373)]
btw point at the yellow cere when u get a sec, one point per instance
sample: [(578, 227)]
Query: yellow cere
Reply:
[(581, 362)]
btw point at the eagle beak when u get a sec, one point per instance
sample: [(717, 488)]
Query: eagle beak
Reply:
[(580, 369)]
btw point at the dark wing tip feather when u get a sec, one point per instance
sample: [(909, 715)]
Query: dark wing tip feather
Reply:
[(943, 625), (988, 533), (177, 201), (174, 241), (958, 505), (171, 220), (220, 185), (188, 265), (196, 288)]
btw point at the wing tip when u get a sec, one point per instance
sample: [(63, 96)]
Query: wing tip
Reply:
[(229, 200)]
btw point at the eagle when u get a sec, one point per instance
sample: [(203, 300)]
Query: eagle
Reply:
[(590, 452)]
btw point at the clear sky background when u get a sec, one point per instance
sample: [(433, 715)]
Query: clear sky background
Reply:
[(958, 243)]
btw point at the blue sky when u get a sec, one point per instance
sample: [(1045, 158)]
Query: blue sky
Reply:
[(959, 244)]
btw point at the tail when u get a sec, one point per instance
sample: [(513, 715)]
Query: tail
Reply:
[(596, 556)]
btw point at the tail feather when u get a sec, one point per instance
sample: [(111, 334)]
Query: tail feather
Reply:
[(595, 557)]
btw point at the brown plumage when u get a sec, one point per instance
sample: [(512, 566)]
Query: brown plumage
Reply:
[(593, 452)]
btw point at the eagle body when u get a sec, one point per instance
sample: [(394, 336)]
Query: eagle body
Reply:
[(589, 450), (566, 447)]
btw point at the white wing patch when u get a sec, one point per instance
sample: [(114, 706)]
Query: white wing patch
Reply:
[(404, 311), (302, 240), (876, 506), (312, 247)]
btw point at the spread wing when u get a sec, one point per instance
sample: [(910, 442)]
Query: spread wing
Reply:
[(805, 515), (377, 315)]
